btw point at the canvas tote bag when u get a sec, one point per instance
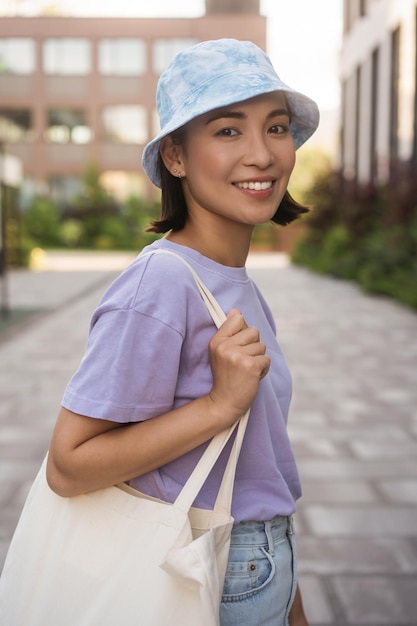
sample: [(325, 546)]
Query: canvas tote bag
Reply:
[(118, 557)]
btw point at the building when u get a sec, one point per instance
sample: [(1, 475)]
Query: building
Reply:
[(80, 90), (378, 72)]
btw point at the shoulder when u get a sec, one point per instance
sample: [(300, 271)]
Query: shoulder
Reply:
[(150, 274), (165, 265), (163, 276), (157, 285)]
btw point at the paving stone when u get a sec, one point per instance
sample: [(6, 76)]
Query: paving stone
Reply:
[(322, 446), (361, 555), (342, 521), (315, 600), (338, 492), (381, 600), (348, 468), (384, 450), (400, 491), (309, 417), (18, 471), (358, 432)]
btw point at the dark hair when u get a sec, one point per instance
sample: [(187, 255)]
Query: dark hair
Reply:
[(174, 211)]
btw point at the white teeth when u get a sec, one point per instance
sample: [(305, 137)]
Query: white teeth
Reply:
[(255, 185)]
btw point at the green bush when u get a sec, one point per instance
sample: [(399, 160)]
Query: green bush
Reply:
[(390, 263), (41, 222), (92, 220), (365, 234), (71, 232), (18, 244)]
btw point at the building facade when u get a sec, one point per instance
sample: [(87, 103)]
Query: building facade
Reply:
[(378, 70), (81, 90)]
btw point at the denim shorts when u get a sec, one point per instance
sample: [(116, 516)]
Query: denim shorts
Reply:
[(261, 574)]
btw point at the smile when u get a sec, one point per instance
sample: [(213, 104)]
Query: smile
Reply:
[(256, 186)]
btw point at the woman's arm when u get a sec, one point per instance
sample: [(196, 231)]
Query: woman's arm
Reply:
[(297, 616), (88, 454)]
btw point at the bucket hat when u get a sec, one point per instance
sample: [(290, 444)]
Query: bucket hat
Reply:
[(214, 74)]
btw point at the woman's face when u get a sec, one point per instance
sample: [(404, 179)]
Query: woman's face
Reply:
[(237, 160)]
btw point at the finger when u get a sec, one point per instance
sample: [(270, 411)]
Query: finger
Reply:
[(237, 319), (257, 365), (247, 336), (234, 323), (257, 348), (264, 371), (233, 312), (264, 363)]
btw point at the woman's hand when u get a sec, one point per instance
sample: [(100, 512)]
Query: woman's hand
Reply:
[(238, 362)]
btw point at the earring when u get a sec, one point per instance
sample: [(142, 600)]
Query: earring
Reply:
[(177, 173)]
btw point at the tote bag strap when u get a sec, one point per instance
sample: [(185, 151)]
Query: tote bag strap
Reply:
[(207, 461)]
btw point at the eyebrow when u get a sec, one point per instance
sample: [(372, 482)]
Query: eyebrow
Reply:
[(239, 115)]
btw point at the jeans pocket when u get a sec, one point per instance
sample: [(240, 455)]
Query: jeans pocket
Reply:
[(249, 570)]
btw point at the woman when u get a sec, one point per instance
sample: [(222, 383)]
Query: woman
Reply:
[(157, 382)]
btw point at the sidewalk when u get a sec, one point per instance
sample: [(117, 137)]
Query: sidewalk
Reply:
[(353, 422)]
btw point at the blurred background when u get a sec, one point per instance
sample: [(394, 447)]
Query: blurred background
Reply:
[(77, 85)]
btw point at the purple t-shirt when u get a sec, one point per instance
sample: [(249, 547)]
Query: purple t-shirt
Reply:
[(147, 353)]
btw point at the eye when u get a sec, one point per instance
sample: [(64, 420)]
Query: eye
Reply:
[(279, 129), (227, 132)]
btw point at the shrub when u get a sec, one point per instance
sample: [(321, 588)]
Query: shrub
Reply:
[(71, 232), (366, 234), (41, 222)]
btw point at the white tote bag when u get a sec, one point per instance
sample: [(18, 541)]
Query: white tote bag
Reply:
[(116, 556)]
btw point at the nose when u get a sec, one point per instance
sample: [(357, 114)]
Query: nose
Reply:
[(258, 151)]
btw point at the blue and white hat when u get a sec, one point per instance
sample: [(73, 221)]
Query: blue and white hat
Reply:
[(214, 74)]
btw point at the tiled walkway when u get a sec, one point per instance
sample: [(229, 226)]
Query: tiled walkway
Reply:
[(353, 422)]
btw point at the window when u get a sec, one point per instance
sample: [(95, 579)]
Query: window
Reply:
[(125, 124), (164, 51), (375, 114), (122, 57), (63, 189), (358, 99), (15, 125), (67, 126), (394, 104), (17, 56), (414, 155), (67, 57)]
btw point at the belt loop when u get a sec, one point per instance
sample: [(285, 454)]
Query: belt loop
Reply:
[(268, 533)]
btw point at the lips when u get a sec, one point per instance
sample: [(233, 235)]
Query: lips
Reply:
[(255, 185)]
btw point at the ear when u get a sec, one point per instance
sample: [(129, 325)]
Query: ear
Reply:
[(171, 155)]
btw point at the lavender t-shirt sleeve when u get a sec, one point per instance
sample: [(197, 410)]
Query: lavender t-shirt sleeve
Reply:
[(132, 362), (123, 376)]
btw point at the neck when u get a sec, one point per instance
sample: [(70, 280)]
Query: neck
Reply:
[(228, 246)]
